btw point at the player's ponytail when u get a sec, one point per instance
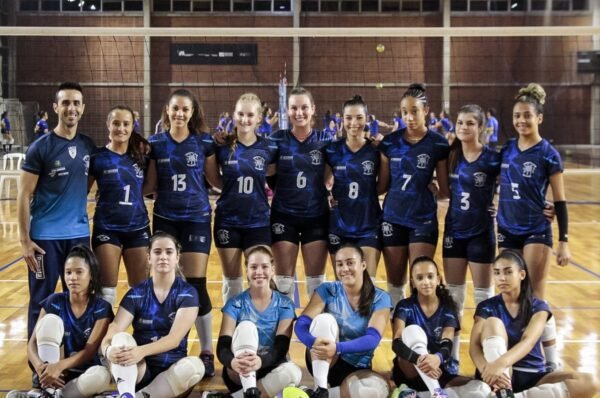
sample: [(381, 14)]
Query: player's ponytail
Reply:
[(526, 290), (89, 258), (456, 151)]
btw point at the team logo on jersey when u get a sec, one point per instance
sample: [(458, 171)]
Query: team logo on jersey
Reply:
[(448, 242), (368, 167), (278, 228), (139, 173), (315, 157), (479, 179), (529, 169), (423, 161), (259, 162), (72, 152), (334, 239), (57, 163), (438, 333), (223, 236), (387, 229), (87, 332), (191, 159)]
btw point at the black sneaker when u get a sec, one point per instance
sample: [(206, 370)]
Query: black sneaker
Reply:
[(252, 393), (208, 359), (318, 393), (504, 393), (215, 394)]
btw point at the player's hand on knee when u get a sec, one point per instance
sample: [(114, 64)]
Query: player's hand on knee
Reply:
[(325, 350), (427, 363), (52, 376)]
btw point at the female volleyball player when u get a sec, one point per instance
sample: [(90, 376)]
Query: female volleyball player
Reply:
[(121, 224), (507, 334), (162, 311), (342, 325), (180, 157), (74, 321)]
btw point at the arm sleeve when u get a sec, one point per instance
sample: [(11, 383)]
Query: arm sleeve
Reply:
[(368, 342), (302, 331), (224, 352), (403, 351)]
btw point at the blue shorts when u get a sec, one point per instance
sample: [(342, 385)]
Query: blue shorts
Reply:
[(289, 228), (477, 249), (506, 240), (227, 237), (399, 235), (522, 381), (125, 240), (336, 241), (192, 236)]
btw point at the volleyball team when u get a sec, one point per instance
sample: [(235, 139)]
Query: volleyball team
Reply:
[(325, 204)]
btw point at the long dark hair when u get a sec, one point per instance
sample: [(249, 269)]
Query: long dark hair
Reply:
[(197, 123), (526, 291), (87, 255), (441, 291), (456, 151), (367, 291), (138, 146), (262, 249)]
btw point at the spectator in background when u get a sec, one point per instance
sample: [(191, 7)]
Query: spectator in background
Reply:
[(491, 128), (7, 138), (41, 126)]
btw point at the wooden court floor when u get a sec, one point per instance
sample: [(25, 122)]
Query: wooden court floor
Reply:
[(573, 292)]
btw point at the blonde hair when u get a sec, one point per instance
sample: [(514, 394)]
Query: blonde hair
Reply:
[(532, 94), (249, 98)]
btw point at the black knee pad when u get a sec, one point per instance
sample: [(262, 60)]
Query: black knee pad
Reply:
[(200, 285)]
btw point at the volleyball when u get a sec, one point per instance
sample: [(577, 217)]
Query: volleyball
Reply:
[(380, 48), (292, 392)]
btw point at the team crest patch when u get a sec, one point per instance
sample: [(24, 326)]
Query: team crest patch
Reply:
[(72, 152), (368, 167), (191, 159), (387, 229), (529, 169), (278, 228), (315, 157), (479, 179), (448, 242), (259, 162), (139, 173), (334, 239), (103, 238), (223, 236), (423, 161)]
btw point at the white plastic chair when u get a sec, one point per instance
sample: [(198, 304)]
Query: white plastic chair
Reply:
[(11, 166)]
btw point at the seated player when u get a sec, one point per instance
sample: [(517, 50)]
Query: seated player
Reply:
[(506, 339), (77, 320), (341, 326), (162, 310)]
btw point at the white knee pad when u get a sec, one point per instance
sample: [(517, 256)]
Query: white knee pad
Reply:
[(50, 330), (185, 374), (110, 294), (414, 337), (313, 282), (482, 293), (95, 380), (473, 389), (123, 339), (324, 326), (458, 293), (245, 338), (493, 348), (231, 288), (555, 390), (286, 374), (371, 386)]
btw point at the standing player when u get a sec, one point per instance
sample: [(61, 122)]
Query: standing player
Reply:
[(410, 227), (121, 224), (73, 321), (299, 207), (491, 131), (507, 334), (41, 126), (255, 334), (398, 122), (242, 213), (469, 237), (341, 326), (180, 157), (355, 215), (161, 311), (53, 192), (529, 165), (7, 138)]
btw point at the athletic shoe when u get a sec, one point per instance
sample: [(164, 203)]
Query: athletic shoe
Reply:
[(126, 395), (215, 394), (252, 393), (503, 393), (439, 393), (208, 359), (17, 394), (318, 393), (404, 392)]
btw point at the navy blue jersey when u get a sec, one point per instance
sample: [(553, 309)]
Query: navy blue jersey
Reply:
[(78, 329), (524, 179), (400, 121), (409, 310), (60, 196), (374, 127), (243, 202), (300, 189), (182, 193), (492, 124), (42, 126), (409, 201), (495, 307), (120, 205), (241, 308), (472, 188), (153, 320), (264, 128), (351, 324), (5, 125), (357, 212)]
